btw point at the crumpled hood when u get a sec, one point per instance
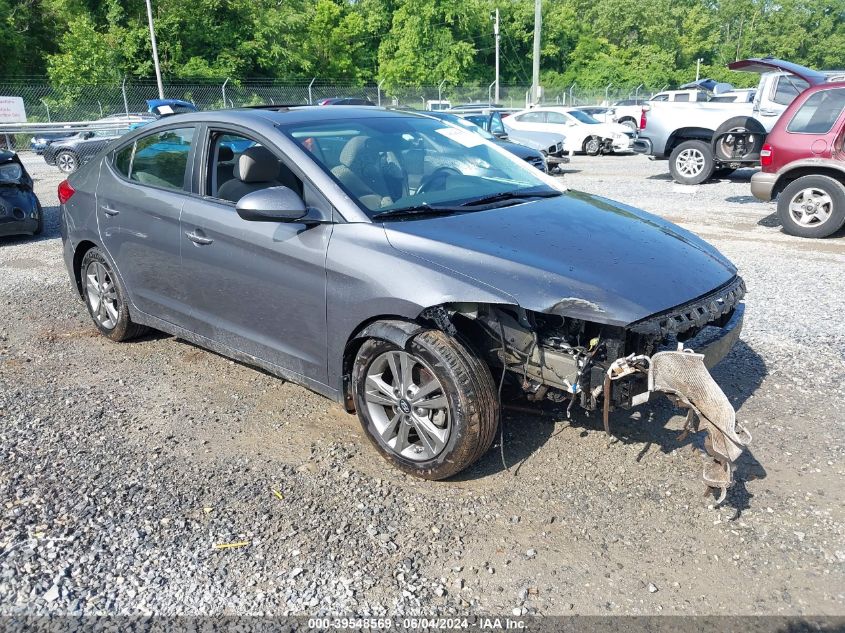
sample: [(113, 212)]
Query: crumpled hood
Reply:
[(576, 255)]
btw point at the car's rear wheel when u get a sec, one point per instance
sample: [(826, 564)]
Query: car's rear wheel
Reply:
[(630, 124), (691, 162), (106, 298), (67, 162), (431, 408), (812, 206)]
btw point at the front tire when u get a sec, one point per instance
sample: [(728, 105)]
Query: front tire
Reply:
[(106, 298), (431, 408), (691, 163), (592, 146), (812, 206)]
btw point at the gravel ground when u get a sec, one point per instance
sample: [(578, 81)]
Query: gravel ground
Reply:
[(123, 466)]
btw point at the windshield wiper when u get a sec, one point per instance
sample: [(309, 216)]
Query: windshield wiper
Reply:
[(416, 210), (511, 195)]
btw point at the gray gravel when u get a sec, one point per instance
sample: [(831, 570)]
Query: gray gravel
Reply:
[(122, 467)]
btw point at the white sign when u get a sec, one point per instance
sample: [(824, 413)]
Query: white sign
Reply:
[(12, 110)]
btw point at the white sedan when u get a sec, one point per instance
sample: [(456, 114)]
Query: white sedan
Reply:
[(583, 132)]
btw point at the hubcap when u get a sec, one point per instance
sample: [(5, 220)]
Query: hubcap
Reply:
[(690, 162), (407, 405), (102, 295), (811, 207)]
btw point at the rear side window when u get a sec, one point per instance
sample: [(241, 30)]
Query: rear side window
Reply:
[(788, 87), (161, 159), (819, 112), (682, 97), (556, 117)]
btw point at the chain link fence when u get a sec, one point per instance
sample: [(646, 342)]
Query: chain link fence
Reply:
[(46, 103)]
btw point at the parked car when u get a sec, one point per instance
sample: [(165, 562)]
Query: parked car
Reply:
[(529, 155), (549, 144), (20, 210), (395, 264), (583, 132), (42, 139), (803, 163), (601, 114), (681, 96), (71, 153), (346, 101), (437, 104), (703, 140)]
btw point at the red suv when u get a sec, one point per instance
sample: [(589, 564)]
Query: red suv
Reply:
[(804, 163)]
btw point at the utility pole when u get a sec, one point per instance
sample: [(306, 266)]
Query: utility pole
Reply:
[(496, 36), (535, 77), (155, 49), (698, 68)]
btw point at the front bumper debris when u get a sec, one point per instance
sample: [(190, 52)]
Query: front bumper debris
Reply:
[(683, 376)]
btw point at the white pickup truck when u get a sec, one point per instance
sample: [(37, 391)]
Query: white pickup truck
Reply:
[(710, 139)]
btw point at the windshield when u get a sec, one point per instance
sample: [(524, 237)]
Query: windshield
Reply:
[(392, 163), (10, 172), (583, 117), (465, 123)]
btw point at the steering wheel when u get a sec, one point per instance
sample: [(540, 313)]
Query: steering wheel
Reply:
[(441, 173)]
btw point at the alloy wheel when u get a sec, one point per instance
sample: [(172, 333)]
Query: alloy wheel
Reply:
[(101, 295), (690, 162), (66, 162), (811, 207), (408, 406)]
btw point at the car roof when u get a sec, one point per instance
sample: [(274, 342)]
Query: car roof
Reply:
[(274, 115)]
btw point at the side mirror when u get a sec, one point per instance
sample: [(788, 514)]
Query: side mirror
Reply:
[(500, 134), (274, 204), (88, 135)]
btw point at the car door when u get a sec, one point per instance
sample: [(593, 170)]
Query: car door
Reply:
[(256, 287), (143, 185)]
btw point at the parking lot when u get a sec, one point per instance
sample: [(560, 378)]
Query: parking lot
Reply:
[(124, 467)]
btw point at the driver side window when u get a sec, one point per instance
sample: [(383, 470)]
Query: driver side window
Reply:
[(557, 117), (238, 165)]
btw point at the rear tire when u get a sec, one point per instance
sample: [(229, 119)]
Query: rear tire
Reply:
[(812, 206), (723, 145), (106, 299), (417, 434), (631, 123), (691, 163)]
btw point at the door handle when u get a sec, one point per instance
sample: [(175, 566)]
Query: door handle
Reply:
[(198, 239), (109, 210)]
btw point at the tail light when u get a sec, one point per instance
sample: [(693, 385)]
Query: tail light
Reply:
[(767, 155), (65, 191), (643, 119)]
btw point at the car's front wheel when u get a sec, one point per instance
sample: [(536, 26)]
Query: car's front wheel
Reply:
[(812, 206), (430, 408), (592, 145), (106, 298)]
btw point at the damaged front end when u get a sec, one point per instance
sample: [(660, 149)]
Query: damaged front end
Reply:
[(597, 366)]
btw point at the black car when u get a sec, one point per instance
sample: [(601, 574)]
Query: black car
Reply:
[(346, 101), (71, 153), (41, 140), (531, 156), (20, 211)]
